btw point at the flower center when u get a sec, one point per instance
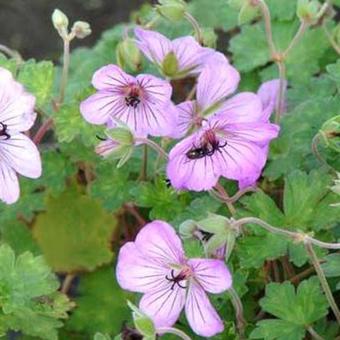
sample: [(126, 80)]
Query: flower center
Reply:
[(133, 96), (183, 275), (3, 131), (209, 143)]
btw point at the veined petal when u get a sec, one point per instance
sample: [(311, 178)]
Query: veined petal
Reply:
[(190, 54), (163, 304), (269, 93), (9, 186), (98, 108), (137, 273), (244, 107), (159, 242), (185, 117), (153, 45), (216, 81), (201, 315), (111, 77), (20, 153), (192, 174), (212, 275)]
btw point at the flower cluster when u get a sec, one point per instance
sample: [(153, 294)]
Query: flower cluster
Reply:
[(18, 154), (222, 135)]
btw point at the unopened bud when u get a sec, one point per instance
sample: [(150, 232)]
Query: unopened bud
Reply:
[(330, 132), (209, 37), (308, 10), (215, 224), (173, 10), (60, 22), (81, 29), (128, 55), (170, 65)]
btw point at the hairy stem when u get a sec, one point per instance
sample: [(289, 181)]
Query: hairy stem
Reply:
[(144, 169), (237, 304), (268, 26), (295, 236), (174, 331), (153, 146), (66, 64), (236, 197), (331, 39), (226, 198), (196, 27), (322, 278), (48, 123), (313, 333), (302, 29), (282, 87), (67, 283)]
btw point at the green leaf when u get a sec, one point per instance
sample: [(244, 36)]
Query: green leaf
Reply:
[(37, 77), (80, 227), (331, 267), (101, 304), (29, 301), (101, 336), (301, 307), (142, 322), (334, 72), (282, 10), (8, 64), (277, 329)]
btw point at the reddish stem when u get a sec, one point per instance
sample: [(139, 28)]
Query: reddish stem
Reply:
[(42, 131)]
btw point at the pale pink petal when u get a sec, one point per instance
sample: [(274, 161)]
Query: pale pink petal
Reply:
[(9, 186), (190, 54), (137, 273), (192, 174), (163, 304), (159, 243), (111, 77), (98, 108), (185, 118), (153, 45), (155, 90), (20, 153), (201, 315), (269, 92), (212, 275), (106, 147), (216, 82), (242, 108)]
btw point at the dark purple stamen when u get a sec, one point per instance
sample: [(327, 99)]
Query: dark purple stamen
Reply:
[(3, 131), (176, 279)]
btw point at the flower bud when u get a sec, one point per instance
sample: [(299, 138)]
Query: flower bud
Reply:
[(172, 10), (60, 22), (81, 29), (214, 224), (308, 10), (170, 65), (330, 132), (209, 37), (118, 145), (128, 55)]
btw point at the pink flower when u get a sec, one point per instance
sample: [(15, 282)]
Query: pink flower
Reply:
[(18, 154), (155, 265), (189, 56), (142, 102), (232, 142)]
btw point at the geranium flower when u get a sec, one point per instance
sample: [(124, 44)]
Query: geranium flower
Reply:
[(155, 265), (142, 102), (177, 58), (233, 138), (18, 154)]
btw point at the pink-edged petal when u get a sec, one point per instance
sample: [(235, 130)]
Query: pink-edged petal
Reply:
[(216, 82), (185, 118), (201, 315), (111, 77), (106, 147), (159, 242), (190, 54), (9, 186), (212, 275), (191, 174), (163, 304), (244, 107), (269, 92), (153, 45), (154, 89), (137, 273), (240, 158), (98, 108), (21, 154)]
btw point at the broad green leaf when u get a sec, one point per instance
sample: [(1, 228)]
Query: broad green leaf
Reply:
[(278, 329), (29, 301), (331, 267), (9, 64), (101, 304), (302, 306), (37, 77), (77, 225), (101, 336)]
